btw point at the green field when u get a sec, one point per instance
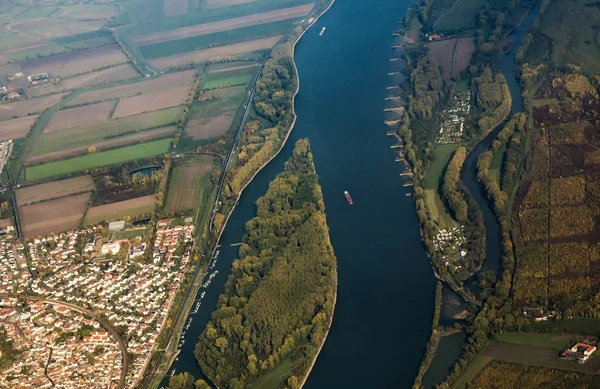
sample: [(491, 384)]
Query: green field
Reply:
[(458, 15), (229, 78), (431, 187), (128, 234), (110, 129), (185, 45), (543, 340), (95, 160), (190, 184), (576, 325), (471, 372)]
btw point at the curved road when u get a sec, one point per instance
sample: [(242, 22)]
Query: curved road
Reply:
[(100, 320)]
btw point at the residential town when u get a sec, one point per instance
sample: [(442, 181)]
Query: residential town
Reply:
[(453, 118), (119, 283)]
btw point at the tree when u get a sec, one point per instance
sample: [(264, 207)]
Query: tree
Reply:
[(92, 149), (181, 381)]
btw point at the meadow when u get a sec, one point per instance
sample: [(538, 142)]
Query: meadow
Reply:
[(90, 161), (433, 182), (120, 210), (190, 184), (457, 15), (225, 78)]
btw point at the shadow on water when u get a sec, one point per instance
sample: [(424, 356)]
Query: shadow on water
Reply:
[(449, 350)]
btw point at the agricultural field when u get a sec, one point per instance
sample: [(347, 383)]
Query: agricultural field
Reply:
[(49, 28), (212, 4), (214, 117), (442, 52), (16, 128), (28, 107), (91, 161), (174, 7), (164, 83), (62, 214), (190, 184), (52, 190), (120, 210), (76, 62), (220, 77), (110, 75), (229, 51), (223, 25), (151, 102), (465, 47), (79, 116), (98, 132)]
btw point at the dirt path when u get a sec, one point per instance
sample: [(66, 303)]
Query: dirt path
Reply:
[(446, 13)]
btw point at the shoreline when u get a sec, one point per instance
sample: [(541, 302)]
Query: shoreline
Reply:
[(283, 143)]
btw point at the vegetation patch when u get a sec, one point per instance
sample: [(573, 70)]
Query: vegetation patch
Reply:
[(190, 185), (134, 208), (227, 78)]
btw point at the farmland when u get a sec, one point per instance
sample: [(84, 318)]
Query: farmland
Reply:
[(190, 184), (61, 214), (151, 102), (223, 25), (52, 190), (214, 117), (120, 210), (212, 4), (166, 82), (16, 128), (80, 116), (114, 74), (228, 77), (99, 132), (174, 7), (457, 15), (443, 51), (232, 50), (28, 107), (39, 172)]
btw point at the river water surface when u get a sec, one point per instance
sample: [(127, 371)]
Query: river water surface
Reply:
[(386, 286)]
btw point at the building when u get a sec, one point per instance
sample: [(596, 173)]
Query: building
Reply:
[(116, 226), (111, 248), (89, 247), (13, 96), (580, 352)]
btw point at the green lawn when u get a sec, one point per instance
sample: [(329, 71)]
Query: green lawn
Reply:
[(232, 77), (542, 340), (128, 234), (441, 157), (437, 210), (185, 45), (471, 372), (576, 325), (98, 132), (462, 16), (95, 160)]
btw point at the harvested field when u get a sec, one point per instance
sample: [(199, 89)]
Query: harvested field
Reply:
[(52, 190), (166, 82), (80, 116), (138, 137), (216, 70), (216, 52), (190, 185), (104, 131), (152, 102), (48, 28), (58, 215), (76, 62), (91, 161), (214, 117), (223, 25), (174, 7), (120, 210), (26, 107), (16, 128), (117, 73), (212, 4), (465, 47), (442, 52)]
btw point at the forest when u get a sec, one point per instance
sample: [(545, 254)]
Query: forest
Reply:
[(280, 295)]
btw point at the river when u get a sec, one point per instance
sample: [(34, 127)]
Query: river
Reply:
[(386, 286)]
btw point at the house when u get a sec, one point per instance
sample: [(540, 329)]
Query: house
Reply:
[(89, 247), (434, 37), (112, 248), (580, 352)]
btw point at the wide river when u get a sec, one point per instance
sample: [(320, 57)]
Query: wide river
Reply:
[(386, 286)]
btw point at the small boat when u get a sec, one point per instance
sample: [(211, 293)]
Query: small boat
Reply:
[(348, 197), (322, 31)]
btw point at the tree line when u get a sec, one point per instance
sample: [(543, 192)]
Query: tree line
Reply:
[(278, 300)]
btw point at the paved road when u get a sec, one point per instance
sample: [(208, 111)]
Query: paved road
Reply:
[(105, 324)]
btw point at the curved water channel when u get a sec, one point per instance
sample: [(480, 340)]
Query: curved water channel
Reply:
[(386, 286)]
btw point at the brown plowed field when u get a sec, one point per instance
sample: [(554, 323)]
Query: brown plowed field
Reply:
[(117, 73), (166, 82), (76, 62), (25, 107), (54, 190), (58, 215), (465, 47), (221, 51), (101, 146), (211, 4), (442, 53), (174, 7), (224, 25), (48, 28), (80, 116), (206, 128), (120, 209), (151, 102), (16, 128)]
